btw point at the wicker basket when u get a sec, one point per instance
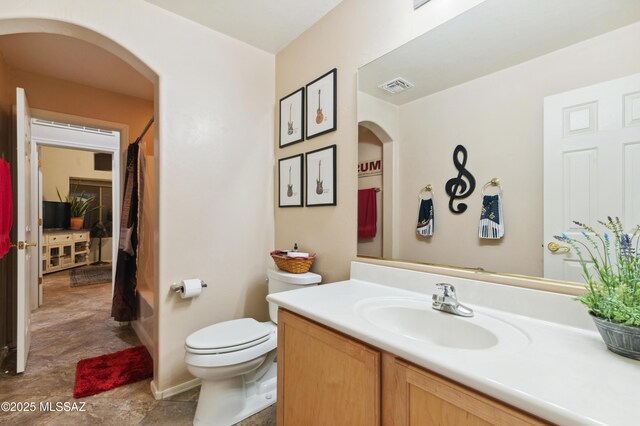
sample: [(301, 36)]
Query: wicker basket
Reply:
[(294, 265)]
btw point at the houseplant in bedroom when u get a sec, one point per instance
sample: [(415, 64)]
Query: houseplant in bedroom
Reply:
[(611, 267), (79, 206)]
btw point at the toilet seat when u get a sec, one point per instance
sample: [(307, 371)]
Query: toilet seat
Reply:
[(228, 336), (230, 342), (226, 349)]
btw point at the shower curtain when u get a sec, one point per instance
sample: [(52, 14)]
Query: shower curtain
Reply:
[(124, 305)]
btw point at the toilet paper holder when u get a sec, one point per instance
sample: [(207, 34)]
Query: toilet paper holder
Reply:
[(179, 288)]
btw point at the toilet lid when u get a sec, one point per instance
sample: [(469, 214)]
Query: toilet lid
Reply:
[(228, 336)]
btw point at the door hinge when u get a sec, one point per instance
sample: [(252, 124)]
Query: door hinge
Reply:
[(39, 221), (40, 280), (39, 164)]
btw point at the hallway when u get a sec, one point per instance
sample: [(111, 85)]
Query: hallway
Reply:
[(73, 324)]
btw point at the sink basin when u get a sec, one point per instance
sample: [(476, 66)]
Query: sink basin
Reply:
[(416, 319)]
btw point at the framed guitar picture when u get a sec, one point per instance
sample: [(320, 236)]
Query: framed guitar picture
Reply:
[(290, 190), (321, 105), (321, 177), (292, 118)]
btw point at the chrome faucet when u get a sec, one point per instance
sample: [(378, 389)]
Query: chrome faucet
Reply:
[(446, 301)]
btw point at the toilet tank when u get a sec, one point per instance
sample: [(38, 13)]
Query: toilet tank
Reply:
[(285, 281)]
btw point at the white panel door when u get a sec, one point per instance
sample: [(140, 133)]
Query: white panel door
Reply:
[(26, 230), (591, 165)]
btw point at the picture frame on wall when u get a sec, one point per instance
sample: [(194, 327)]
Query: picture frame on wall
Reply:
[(321, 177), (290, 181), (292, 118), (322, 105)]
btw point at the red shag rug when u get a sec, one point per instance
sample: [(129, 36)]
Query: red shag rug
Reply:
[(105, 372)]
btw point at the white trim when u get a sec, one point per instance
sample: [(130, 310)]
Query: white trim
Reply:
[(175, 390), (62, 135), (74, 136)]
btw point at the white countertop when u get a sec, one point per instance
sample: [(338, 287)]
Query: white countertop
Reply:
[(563, 374)]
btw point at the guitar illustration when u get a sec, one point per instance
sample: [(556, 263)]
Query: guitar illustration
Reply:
[(289, 185), (319, 189), (290, 125), (319, 115)]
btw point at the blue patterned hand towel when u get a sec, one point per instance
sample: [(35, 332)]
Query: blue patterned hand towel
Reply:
[(425, 218), (491, 218)]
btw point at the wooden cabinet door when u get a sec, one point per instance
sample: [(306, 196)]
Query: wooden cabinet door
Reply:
[(413, 396), (324, 378)]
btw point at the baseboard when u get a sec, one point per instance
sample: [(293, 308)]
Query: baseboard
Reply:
[(144, 337), (182, 387)]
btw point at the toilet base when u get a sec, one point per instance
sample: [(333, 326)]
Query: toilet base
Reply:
[(238, 402)]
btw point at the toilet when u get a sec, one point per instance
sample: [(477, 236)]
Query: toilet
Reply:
[(235, 360)]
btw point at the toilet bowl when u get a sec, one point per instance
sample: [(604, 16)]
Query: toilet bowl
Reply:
[(235, 360)]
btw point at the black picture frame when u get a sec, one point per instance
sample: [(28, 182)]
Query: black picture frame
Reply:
[(287, 195), (318, 193), (289, 134), (322, 117)]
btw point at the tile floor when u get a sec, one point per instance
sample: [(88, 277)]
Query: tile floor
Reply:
[(75, 323)]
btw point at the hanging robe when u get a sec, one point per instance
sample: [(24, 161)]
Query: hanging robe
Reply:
[(124, 305)]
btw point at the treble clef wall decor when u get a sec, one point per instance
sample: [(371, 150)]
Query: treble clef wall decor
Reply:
[(457, 187)]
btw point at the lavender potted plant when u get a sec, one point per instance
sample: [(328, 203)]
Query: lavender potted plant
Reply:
[(611, 267)]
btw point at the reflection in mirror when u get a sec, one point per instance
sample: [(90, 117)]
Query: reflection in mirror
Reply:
[(544, 95), (370, 195), (375, 191)]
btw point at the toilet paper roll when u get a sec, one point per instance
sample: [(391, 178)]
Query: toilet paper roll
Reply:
[(191, 288)]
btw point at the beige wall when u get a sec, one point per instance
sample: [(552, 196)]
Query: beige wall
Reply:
[(145, 324), (370, 149), (351, 35), (499, 119), (76, 99), (213, 154), (60, 164), (51, 94), (146, 234)]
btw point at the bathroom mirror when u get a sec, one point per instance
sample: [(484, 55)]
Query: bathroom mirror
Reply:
[(544, 95)]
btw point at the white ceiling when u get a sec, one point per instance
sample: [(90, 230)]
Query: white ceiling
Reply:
[(269, 25), (492, 36), (70, 59), (266, 24)]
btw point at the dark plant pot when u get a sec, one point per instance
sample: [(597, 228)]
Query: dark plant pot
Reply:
[(621, 339)]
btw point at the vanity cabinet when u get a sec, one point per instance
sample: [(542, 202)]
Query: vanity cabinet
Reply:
[(414, 396), (327, 378), (324, 378)]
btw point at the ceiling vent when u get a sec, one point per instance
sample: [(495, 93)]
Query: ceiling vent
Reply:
[(396, 85)]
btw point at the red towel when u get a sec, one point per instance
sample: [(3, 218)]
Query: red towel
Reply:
[(367, 213), (6, 207)]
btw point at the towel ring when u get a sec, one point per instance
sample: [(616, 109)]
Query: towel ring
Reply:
[(492, 182), (426, 189)]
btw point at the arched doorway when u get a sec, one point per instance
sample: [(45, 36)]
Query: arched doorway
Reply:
[(375, 171), (86, 110)]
